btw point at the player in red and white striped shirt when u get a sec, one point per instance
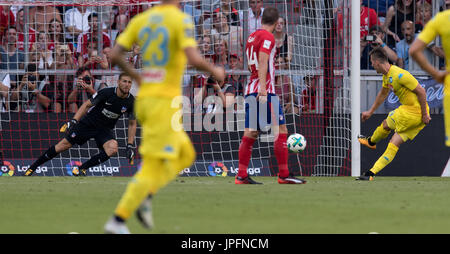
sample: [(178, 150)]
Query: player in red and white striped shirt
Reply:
[(262, 102)]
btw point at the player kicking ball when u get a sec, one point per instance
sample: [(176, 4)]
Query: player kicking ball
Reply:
[(96, 119), (261, 101), (407, 120)]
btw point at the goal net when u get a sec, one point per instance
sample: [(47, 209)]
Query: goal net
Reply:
[(56, 38)]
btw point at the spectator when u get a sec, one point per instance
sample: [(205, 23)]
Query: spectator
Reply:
[(199, 80), (135, 57), (378, 37), (309, 94), (5, 85), (424, 13), (284, 88), (380, 6), (233, 35), (7, 19), (45, 60), (227, 8), (121, 18), (88, 39), (41, 15), (34, 94), (402, 49), (11, 57), (396, 15), (368, 19), (92, 59), (205, 45), (254, 15), (193, 10), (63, 61), (226, 93), (76, 22), (283, 41), (20, 26), (109, 80), (83, 89), (236, 80), (221, 53)]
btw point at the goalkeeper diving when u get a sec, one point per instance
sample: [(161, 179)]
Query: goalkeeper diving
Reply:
[(96, 119)]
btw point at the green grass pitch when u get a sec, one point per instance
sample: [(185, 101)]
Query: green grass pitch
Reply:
[(216, 205)]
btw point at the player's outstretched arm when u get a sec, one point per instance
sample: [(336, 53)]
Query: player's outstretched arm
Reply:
[(196, 59), (416, 52), (382, 95)]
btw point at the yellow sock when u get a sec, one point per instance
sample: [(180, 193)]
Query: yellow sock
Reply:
[(385, 159), (446, 105), (379, 134)]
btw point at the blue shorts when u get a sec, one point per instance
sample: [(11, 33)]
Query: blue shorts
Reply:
[(259, 116)]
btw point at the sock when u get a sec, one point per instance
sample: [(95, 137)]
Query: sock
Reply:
[(48, 155), (385, 158), (379, 134), (446, 105), (95, 160), (281, 153), (118, 218), (245, 153)]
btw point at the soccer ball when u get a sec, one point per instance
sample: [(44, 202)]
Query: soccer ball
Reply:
[(296, 143), (75, 171)]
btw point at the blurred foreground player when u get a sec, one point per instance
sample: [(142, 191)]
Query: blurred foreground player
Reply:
[(438, 26), (166, 37)]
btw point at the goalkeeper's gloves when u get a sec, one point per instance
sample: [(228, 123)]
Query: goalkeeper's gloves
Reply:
[(67, 127), (130, 153)]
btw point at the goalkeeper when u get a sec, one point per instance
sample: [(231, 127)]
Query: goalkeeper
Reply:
[(96, 119), (407, 120)]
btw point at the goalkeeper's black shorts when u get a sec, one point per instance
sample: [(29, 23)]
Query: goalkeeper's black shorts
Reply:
[(81, 133)]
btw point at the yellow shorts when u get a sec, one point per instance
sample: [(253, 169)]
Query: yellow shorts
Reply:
[(406, 121), (162, 132)]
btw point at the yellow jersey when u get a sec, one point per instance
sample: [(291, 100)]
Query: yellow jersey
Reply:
[(438, 25), (162, 33), (402, 83)]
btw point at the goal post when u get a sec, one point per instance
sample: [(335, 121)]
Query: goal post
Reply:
[(317, 79), (355, 79)]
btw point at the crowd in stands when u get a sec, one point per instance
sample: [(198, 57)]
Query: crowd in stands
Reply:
[(394, 29), (76, 41)]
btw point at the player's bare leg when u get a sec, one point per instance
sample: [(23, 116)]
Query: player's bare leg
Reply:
[(51, 153)]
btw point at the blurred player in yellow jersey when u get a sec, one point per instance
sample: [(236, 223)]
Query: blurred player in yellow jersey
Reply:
[(165, 36), (407, 120), (438, 26)]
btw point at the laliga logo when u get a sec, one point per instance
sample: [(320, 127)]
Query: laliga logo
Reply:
[(217, 169), (70, 165), (7, 169)]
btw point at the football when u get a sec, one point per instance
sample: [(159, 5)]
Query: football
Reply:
[(296, 143), (75, 171)]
